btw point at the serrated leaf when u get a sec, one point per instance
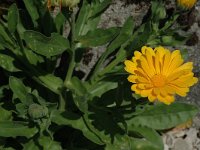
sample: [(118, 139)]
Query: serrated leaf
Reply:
[(13, 16), (46, 46), (98, 37), (13, 129), (7, 63), (162, 116)]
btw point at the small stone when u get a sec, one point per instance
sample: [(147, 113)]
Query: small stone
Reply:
[(181, 144)]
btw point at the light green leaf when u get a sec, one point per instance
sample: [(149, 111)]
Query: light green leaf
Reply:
[(13, 129), (101, 88), (149, 134), (129, 143), (98, 37), (31, 145), (13, 17), (162, 116), (46, 46), (48, 144), (52, 82), (7, 63)]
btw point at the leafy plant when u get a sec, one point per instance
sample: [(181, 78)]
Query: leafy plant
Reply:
[(46, 104)]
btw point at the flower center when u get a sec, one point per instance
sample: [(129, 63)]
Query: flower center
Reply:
[(158, 80)]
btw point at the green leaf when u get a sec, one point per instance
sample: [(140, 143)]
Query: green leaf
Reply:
[(46, 46), (52, 82), (7, 63), (32, 10), (5, 38), (149, 134), (75, 121), (31, 145), (32, 57), (163, 116), (13, 129), (19, 89), (59, 21), (98, 37), (129, 143), (13, 17), (89, 17), (80, 93), (101, 88), (99, 7), (48, 144), (5, 114)]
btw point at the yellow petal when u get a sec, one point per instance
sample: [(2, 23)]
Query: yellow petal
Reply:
[(132, 78), (130, 66)]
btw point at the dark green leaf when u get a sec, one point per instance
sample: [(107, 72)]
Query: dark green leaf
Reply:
[(59, 21), (5, 114), (32, 10), (46, 46), (163, 116), (75, 121), (7, 63), (13, 129), (32, 57), (5, 38), (98, 37), (13, 17), (19, 89)]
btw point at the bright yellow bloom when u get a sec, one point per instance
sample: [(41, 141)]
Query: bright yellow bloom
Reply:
[(159, 74), (187, 4)]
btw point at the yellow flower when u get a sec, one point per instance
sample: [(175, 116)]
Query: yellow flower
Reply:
[(159, 74), (187, 4)]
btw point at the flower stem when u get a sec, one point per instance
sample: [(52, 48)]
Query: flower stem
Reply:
[(72, 55)]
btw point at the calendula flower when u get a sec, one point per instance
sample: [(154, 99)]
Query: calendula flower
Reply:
[(186, 4), (159, 74)]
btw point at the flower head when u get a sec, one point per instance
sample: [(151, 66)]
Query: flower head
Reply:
[(159, 74), (186, 4)]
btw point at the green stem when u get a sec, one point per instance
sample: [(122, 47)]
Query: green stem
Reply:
[(72, 59), (62, 102)]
